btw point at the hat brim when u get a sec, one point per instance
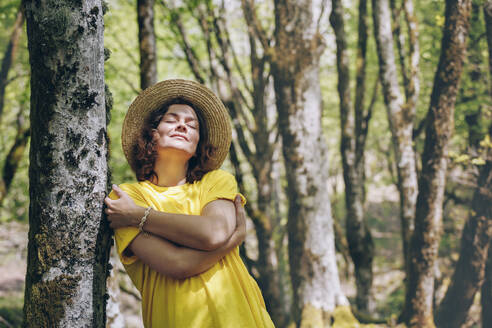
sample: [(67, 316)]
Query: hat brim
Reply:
[(211, 108)]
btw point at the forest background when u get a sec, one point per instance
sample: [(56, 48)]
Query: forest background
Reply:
[(374, 123)]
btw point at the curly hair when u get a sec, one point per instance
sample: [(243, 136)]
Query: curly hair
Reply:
[(145, 150)]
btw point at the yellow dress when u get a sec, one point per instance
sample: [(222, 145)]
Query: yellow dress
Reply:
[(224, 296)]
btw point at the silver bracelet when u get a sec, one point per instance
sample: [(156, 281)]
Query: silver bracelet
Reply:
[(143, 219)]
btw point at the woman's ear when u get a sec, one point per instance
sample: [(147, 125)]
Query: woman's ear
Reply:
[(154, 134)]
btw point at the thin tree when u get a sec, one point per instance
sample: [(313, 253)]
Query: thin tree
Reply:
[(418, 310), (68, 240), (14, 155), (354, 128), (146, 43), (9, 56), (400, 111)]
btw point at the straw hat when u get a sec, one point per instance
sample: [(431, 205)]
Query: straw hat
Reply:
[(210, 106)]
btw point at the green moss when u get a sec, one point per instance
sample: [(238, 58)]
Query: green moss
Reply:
[(11, 309), (48, 300)]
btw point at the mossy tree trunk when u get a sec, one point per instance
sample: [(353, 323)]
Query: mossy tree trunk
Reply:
[(354, 128), (477, 233), (418, 310), (475, 241), (146, 42), (295, 67), (68, 239)]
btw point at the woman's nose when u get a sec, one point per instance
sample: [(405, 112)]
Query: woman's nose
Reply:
[(181, 127)]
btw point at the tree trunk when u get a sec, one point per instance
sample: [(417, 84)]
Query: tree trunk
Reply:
[(358, 235), (295, 68), (9, 56), (146, 43), (14, 157), (425, 240), (486, 291), (469, 273), (477, 233), (400, 116), (68, 240)]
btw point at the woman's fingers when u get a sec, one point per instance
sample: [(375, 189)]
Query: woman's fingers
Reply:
[(240, 215), (120, 192), (107, 201)]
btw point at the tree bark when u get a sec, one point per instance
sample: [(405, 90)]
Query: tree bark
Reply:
[(9, 56), (295, 68), (477, 233), (400, 116), (353, 133), (146, 43), (69, 240), (475, 241), (486, 291), (418, 310)]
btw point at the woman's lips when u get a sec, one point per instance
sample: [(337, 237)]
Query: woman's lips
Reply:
[(179, 136)]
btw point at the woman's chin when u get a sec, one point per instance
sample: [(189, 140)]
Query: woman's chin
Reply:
[(176, 152)]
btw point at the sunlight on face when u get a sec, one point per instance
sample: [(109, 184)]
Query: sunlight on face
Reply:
[(178, 131)]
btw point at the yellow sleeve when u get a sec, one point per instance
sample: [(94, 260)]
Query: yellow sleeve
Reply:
[(219, 184), (124, 236)]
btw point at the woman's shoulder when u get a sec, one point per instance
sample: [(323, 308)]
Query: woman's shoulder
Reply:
[(214, 176), (130, 186)]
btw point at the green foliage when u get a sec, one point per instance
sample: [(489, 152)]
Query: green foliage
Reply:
[(11, 310), (15, 110)]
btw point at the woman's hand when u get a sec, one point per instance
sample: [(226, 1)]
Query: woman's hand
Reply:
[(239, 233), (182, 262), (122, 212)]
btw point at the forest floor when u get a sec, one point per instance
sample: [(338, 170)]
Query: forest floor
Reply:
[(125, 310)]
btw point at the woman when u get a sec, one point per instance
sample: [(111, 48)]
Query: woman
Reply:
[(177, 229)]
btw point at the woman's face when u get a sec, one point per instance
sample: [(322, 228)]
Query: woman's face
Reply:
[(178, 130)]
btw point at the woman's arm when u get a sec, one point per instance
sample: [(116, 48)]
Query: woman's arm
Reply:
[(208, 231), (182, 262)]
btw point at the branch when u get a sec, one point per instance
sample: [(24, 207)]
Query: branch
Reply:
[(9, 55), (127, 52), (254, 25), (234, 55), (421, 126), (127, 81), (368, 115), (322, 11), (400, 43), (412, 85), (224, 60), (191, 56)]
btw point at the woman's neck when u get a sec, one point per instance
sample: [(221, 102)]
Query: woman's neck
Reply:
[(169, 172)]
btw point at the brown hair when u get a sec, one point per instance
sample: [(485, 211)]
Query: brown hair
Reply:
[(145, 150)]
